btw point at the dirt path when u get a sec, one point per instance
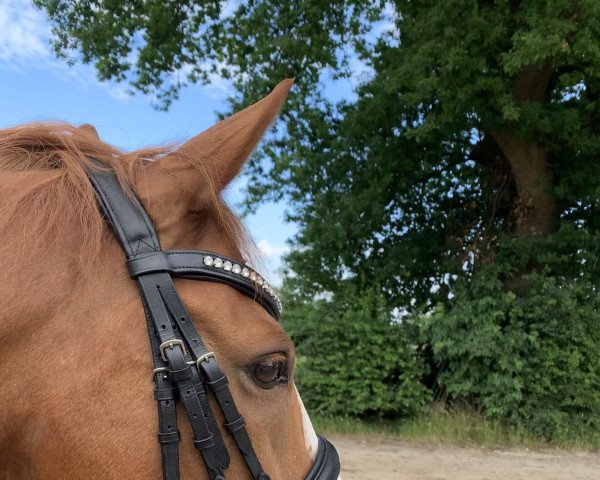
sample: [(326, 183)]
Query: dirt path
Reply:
[(383, 459)]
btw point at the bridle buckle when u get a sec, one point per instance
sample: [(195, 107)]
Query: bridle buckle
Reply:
[(170, 344), (204, 358)]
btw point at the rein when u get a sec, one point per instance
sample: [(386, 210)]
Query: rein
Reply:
[(184, 368)]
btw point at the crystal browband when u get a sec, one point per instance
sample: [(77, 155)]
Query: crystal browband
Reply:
[(209, 266), (244, 271)]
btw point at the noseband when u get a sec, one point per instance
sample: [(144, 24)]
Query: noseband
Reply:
[(184, 368)]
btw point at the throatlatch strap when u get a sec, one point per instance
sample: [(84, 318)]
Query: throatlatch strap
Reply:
[(175, 343)]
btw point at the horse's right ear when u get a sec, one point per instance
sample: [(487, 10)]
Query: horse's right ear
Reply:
[(191, 176), (225, 147)]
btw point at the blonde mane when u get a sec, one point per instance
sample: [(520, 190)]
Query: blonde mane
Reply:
[(59, 196)]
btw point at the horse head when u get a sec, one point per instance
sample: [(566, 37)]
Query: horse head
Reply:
[(78, 375)]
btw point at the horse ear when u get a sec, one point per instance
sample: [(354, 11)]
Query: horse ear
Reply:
[(217, 155), (89, 130), (228, 144)]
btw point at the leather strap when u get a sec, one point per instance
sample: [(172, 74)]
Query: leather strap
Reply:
[(191, 264), (136, 234), (167, 319), (184, 368), (327, 462), (168, 434), (214, 378), (124, 213), (179, 371)]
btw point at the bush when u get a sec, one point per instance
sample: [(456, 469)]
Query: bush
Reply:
[(528, 359), (353, 359), (518, 341)]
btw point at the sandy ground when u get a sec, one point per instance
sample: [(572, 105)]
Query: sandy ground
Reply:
[(383, 459)]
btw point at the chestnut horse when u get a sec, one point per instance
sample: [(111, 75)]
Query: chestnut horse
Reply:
[(76, 391)]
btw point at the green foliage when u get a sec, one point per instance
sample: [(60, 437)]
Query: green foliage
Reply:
[(353, 359), (160, 46), (529, 357), (399, 184), (472, 118)]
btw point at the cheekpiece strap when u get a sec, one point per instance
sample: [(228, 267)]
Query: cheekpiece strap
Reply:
[(184, 368)]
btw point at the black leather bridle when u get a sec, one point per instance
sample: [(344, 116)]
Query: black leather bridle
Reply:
[(184, 368)]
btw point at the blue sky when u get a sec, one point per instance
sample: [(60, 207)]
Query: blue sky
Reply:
[(35, 86)]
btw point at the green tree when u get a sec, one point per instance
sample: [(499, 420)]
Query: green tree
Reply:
[(529, 359), (468, 154), (480, 118)]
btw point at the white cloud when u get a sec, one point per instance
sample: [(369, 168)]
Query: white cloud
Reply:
[(24, 32), (387, 22), (228, 7), (217, 88), (272, 261), (25, 45), (272, 251), (361, 71)]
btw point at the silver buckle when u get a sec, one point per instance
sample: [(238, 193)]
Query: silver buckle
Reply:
[(203, 358), (166, 369), (170, 344)]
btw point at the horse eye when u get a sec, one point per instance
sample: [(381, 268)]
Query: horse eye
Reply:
[(268, 373)]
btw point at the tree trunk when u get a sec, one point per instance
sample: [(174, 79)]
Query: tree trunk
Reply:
[(536, 208)]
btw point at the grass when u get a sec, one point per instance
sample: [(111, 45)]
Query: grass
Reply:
[(456, 428)]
